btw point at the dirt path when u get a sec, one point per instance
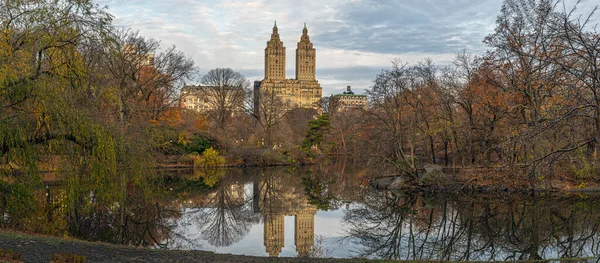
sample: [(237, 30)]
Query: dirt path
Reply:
[(40, 249)]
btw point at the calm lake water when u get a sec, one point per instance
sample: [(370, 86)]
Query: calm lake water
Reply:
[(332, 212)]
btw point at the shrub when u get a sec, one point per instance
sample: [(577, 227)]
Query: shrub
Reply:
[(199, 144), (210, 157)]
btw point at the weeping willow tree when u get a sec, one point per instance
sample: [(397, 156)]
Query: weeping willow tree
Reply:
[(45, 86), (58, 99)]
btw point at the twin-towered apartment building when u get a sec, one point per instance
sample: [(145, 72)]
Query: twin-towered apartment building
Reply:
[(303, 91)]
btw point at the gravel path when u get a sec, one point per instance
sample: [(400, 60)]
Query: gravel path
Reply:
[(40, 249)]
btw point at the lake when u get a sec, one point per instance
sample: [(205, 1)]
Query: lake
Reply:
[(323, 212)]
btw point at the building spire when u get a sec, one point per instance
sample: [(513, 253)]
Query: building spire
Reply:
[(304, 30), (275, 34)]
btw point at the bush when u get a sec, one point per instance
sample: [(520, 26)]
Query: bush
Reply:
[(199, 144), (210, 157)]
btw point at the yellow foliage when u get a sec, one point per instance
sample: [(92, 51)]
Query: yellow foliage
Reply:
[(182, 139), (211, 176), (210, 157)]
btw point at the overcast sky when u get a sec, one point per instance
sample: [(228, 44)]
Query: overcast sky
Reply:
[(355, 39)]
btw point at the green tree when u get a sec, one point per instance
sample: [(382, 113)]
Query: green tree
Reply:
[(317, 128)]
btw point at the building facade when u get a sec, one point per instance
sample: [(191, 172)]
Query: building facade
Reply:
[(145, 60), (206, 98), (347, 101), (304, 90)]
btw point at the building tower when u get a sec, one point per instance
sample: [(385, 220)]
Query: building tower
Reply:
[(305, 57), (304, 234), (275, 57), (304, 91), (274, 234)]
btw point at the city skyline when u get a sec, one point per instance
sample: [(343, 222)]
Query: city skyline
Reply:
[(355, 40)]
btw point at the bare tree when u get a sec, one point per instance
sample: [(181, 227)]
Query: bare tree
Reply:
[(225, 90), (146, 80), (269, 110), (580, 61)]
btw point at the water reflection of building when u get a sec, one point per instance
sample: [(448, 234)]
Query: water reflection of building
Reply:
[(280, 199), (274, 234), (275, 197), (304, 234)]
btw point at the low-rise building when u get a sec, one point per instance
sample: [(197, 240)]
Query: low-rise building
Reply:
[(206, 98), (347, 100)]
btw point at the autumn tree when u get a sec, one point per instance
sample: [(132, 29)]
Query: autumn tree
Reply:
[(526, 40), (49, 94), (578, 58), (70, 91), (389, 126)]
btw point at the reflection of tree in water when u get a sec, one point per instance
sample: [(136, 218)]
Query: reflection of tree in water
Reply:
[(392, 226), (229, 215), (378, 226), (132, 215), (317, 190), (225, 215)]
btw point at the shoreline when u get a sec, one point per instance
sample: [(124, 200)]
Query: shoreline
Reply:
[(451, 183), (399, 183), (40, 248)]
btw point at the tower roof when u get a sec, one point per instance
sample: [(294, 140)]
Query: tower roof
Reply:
[(305, 37), (275, 34)]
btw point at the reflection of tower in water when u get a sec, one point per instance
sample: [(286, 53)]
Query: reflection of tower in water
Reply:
[(304, 234), (274, 234), (279, 199)]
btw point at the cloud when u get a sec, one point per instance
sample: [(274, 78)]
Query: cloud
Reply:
[(435, 27), (354, 39)]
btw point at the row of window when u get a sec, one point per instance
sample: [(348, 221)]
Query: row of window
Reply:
[(191, 100), (196, 107), (354, 102)]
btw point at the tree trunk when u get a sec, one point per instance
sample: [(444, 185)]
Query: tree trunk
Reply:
[(431, 145)]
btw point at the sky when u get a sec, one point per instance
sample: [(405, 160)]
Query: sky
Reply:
[(354, 39)]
